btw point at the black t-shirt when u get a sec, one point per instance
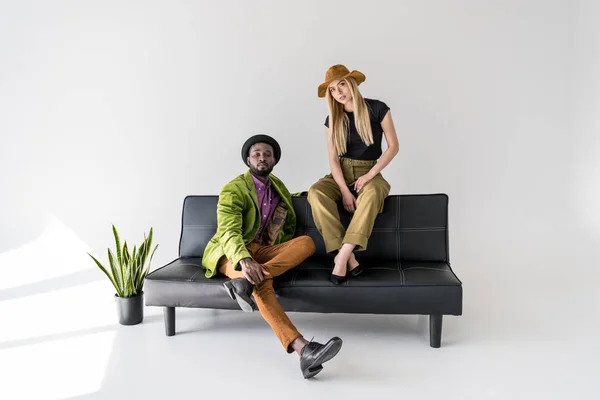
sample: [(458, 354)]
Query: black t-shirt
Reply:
[(356, 149)]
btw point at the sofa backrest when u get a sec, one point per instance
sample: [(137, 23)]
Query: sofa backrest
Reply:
[(410, 227)]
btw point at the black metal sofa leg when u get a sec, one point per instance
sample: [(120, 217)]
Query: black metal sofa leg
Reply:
[(169, 313), (435, 330)]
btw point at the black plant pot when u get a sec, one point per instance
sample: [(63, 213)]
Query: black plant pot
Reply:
[(130, 309)]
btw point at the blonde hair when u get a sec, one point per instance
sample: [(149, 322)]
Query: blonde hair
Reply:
[(339, 122)]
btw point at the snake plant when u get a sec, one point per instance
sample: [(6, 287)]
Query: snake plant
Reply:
[(128, 269)]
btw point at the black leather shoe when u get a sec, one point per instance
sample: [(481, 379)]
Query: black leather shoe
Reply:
[(357, 271), (315, 354), (336, 279), (240, 289)]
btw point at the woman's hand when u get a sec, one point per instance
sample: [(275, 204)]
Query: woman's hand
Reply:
[(362, 181), (349, 201)]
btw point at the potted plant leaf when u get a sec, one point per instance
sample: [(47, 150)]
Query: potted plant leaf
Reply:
[(127, 271)]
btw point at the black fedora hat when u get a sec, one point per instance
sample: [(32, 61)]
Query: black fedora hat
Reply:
[(261, 138)]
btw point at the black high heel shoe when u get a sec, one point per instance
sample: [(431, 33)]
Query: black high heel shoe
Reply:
[(357, 271), (336, 279)]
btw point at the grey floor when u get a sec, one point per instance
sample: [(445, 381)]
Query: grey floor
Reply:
[(526, 335), (65, 344)]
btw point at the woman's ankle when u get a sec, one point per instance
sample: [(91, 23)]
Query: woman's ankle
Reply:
[(352, 262)]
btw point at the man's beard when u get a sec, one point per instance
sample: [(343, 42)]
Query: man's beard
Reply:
[(260, 172)]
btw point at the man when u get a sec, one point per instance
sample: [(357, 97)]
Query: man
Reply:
[(254, 243)]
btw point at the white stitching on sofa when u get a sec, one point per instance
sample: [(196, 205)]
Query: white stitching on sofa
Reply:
[(397, 232), (433, 269), (402, 272), (429, 228), (195, 275)]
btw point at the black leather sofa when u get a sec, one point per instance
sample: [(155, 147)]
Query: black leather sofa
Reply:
[(407, 266)]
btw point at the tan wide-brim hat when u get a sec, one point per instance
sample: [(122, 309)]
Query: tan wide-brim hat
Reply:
[(339, 72)]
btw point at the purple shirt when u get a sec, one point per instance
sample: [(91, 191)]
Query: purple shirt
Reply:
[(267, 202)]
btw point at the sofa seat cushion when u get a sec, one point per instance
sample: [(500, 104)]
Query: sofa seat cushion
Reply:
[(408, 287), (384, 287), (182, 283), (315, 272)]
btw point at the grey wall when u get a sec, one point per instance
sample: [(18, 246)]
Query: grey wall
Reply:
[(112, 112)]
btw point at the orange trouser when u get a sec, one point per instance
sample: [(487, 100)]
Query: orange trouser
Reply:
[(276, 259)]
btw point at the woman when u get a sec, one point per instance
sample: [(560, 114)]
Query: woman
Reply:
[(355, 127)]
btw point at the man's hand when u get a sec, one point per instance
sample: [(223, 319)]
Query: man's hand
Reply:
[(253, 271)]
